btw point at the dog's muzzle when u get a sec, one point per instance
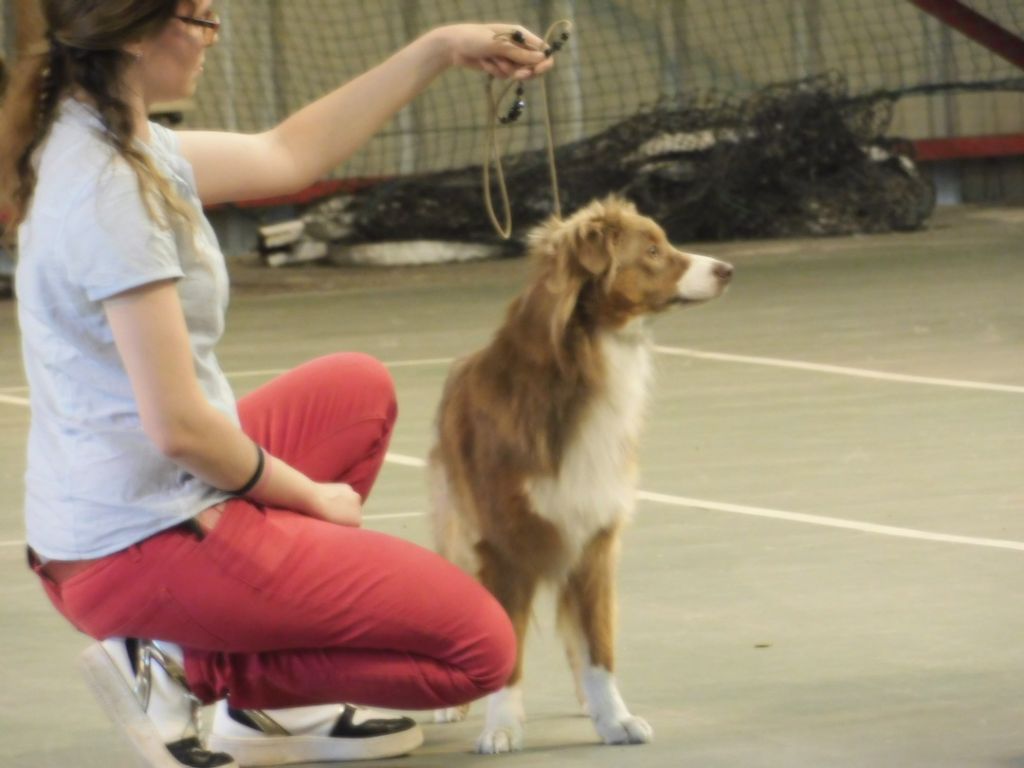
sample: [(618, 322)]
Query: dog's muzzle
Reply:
[(705, 278)]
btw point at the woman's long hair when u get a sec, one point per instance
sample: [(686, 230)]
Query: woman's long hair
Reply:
[(83, 51)]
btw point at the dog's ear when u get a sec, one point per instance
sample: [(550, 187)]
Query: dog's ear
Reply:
[(570, 254), (596, 231), (594, 243), (578, 251)]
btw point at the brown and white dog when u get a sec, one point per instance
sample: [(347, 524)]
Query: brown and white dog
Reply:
[(534, 470)]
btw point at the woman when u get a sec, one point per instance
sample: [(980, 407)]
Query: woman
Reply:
[(156, 507)]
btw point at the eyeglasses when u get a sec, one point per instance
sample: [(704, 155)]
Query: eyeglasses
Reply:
[(209, 24)]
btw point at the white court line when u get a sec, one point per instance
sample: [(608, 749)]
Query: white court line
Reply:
[(425, 361), (405, 461), (392, 364), (264, 372), (774, 362), (795, 517), (738, 509), (862, 373), (829, 522)]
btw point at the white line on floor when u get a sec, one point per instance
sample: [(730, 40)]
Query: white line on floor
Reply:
[(717, 506), (425, 361), (862, 373), (774, 362), (739, 509), (795, 517), (391, 364), (406, 461), (829, 522)]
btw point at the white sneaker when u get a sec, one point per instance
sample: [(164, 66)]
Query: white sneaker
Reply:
[(142, 688), (332, 732)]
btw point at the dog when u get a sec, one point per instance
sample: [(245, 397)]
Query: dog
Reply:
[(533, 473)]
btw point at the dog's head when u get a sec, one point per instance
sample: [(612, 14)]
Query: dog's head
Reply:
[(614, 265)]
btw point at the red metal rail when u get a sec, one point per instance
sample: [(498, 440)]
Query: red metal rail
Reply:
[(965, 147), (978, 28)]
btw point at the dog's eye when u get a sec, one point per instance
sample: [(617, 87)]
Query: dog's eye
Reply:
[(652, 251)]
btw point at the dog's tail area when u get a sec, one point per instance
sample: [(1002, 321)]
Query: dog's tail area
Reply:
[(452, 540), (440, 500)]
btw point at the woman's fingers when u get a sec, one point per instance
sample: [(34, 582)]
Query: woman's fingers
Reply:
[(543, 67), (513, 53), (506, 67), (519, 54), (488, 66), (530, 40)]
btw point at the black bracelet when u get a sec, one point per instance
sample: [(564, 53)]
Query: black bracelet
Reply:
[(255, 475)]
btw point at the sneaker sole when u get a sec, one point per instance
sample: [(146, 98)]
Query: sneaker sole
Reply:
[(116, 698), (281, 750)]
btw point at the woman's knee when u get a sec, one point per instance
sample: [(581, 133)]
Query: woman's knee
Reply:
[(362, 373), (497, 652)]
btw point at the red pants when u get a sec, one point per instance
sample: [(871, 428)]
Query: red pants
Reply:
[(276, 609)]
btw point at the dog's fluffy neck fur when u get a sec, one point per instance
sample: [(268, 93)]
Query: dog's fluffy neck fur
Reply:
[(558, 374)]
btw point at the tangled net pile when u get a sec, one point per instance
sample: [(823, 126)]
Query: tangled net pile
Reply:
[(801, 158)]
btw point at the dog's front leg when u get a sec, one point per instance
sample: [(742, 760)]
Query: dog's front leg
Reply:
[(503, 731), (587, 608)]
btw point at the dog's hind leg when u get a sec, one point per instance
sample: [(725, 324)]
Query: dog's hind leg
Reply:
[(587, 618), (568, 626), (450, 541), (515, 589)]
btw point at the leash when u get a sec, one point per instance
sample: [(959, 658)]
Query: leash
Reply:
[(553, 45)]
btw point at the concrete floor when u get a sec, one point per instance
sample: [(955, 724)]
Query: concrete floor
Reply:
[(828, 576)]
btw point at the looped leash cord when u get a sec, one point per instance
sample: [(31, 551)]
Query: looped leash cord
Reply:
[(504, 229)]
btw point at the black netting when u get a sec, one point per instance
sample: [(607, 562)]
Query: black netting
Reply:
[(791, 159), (627, 57), (673, 102)]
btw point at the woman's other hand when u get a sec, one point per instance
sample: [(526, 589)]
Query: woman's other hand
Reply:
[(338, 503)]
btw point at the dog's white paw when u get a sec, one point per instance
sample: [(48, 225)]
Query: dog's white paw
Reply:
[(503, 731), (627, 730), (614, 723), (495, 741), (451, 714)]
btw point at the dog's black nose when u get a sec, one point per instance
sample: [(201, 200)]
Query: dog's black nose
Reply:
[(723, 271)]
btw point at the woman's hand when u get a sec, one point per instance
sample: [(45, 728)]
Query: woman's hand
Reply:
[(490, 47), (338, 503)]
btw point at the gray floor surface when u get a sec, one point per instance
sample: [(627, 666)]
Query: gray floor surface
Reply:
[(828, 573)]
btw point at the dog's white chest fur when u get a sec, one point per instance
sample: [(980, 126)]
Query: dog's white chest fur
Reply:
[(596, 484)]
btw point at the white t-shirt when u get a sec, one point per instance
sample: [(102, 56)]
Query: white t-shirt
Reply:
[(95, 483)]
